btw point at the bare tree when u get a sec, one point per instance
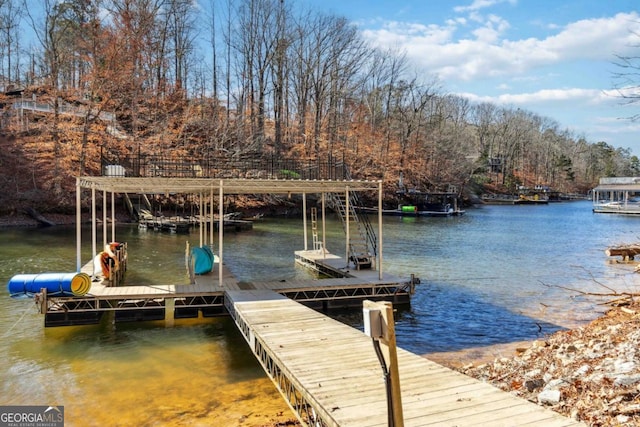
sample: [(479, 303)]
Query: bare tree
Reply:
[(50, 28), (10, 15), (626, 81)]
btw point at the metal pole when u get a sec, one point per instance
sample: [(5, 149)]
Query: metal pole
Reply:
[(324, 229), (113, 216), (94, 251), (105, 205), (220, 232), (78, 226), (200, 217), (346, 221), (380, 230), (206, 211), (212, 221), (304, 219)]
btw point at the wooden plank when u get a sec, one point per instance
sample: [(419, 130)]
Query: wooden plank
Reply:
[(335, 367)]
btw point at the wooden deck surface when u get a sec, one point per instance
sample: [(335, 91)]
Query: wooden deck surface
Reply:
[(336, 369), (209, 283)]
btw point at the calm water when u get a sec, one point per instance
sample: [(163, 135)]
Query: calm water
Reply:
[(495, 275)]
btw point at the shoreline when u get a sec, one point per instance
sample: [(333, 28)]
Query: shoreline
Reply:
[(22, 220), (477, 355), (590, 373)]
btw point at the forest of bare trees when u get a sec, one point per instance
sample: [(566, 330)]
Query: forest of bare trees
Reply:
[(237, 78)]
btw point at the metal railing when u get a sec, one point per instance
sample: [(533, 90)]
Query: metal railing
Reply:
[(63, 108), (273, 167)]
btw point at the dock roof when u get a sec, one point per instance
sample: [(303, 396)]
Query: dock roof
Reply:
[(625, 183), (617, 187), (158, 185)]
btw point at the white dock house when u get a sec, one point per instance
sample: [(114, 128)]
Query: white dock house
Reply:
[(619, 195)]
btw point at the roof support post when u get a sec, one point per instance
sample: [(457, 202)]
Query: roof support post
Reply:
[(324, 229), (78, 226), (105, 205), (220, 232), (201, 218), (113, 216), (94, 243), (346, 221), (304, 219), (212, 220), (380, 230)]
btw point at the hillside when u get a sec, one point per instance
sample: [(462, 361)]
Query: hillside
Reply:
[(41, 152)]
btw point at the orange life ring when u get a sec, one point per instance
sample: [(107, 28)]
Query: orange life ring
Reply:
[(108, 263)]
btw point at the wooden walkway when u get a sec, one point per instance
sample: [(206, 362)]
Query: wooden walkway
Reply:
[(330, 376)]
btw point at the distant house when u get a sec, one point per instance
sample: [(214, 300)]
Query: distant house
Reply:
[(620, 195)]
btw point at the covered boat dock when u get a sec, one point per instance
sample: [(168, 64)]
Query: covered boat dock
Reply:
[(208, 189), (618, 195)]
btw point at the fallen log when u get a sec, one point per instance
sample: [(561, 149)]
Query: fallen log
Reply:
[(626, 252), (38, 217)]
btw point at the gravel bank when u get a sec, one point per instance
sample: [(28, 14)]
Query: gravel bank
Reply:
[(591, 373)]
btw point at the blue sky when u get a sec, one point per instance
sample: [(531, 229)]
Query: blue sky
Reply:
[(553, 58)]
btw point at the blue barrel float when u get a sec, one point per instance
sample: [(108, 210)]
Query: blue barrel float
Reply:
[(57, 284)]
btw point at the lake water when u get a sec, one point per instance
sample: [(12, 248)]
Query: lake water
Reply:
[(498, 274)]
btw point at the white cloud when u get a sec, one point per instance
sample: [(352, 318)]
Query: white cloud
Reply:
[(559, 72), (486, 54), (576, 96), (493, 28), (481, 4)]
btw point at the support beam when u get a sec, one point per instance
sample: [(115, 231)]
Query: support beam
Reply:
[(169, 311), (201, 218), (211, 222), (220, 232), (78, 226), (94, 243), (324, 227), (346, 222), (113, 216), (105, 206), (380, 230), (304, 220)]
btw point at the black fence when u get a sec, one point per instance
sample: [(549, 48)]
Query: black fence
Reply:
[(210, 167)]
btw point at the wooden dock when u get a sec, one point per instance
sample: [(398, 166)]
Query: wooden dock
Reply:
[(329, 375), (205, 297)]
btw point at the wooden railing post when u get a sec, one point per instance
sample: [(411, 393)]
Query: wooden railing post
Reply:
[(380, 326)]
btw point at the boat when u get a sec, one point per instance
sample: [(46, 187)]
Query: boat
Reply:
[(534, 199), (424, 204), (617, 195), (539, 195), (498, 199)]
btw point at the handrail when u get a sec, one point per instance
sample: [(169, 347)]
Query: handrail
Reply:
[(354, 202)]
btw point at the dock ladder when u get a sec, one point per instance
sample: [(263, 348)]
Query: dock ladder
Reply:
[(362, 239), (317, 244)]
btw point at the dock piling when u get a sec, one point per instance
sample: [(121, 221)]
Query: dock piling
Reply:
[(169, 311)]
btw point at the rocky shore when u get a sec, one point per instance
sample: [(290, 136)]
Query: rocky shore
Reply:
[(591, 373)]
